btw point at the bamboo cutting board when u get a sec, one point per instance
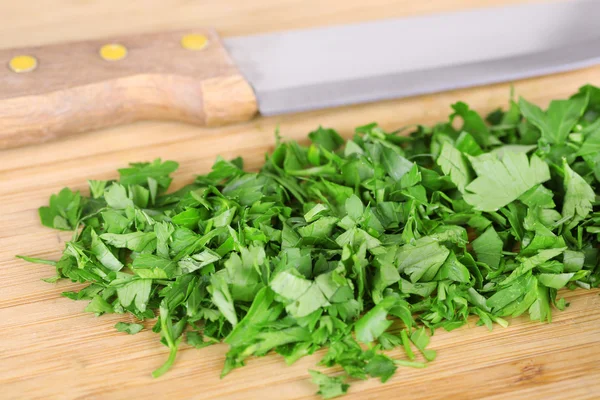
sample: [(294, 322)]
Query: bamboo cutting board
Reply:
[(51, 349)]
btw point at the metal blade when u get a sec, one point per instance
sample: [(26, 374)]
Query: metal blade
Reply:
[(325, 67)]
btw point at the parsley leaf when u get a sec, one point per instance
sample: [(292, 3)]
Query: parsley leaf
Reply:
[(454, 165), (579, 197), (381, 366), (142, 173), (329, 386), (129, 328), (488, 248), (64, 210), (560, 118), (500, 182)]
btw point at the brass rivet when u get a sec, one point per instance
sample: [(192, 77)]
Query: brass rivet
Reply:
[(23, 63), (113, 52), (194, 41)]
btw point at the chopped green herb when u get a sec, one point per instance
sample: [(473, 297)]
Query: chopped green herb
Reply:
[(130, 328), (357, 247), (329, 387)]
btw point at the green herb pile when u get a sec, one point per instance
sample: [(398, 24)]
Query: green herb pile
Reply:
[(331, 243)]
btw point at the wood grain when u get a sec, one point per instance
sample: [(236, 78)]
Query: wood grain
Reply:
[(74, 90), (51, 349)]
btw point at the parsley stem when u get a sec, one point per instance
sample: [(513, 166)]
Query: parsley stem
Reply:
[(412, 364), (167, 365), (406, 345)]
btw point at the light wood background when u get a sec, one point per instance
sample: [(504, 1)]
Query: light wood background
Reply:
[(51, 349)]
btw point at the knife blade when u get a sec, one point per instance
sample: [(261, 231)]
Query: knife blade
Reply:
[(341, 65), (191, 75)]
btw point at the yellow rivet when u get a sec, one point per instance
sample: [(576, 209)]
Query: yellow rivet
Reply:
[(194, 41), (22, 63), (113, 52)]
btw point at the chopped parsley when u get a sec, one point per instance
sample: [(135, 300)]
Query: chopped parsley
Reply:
[(331, 242)]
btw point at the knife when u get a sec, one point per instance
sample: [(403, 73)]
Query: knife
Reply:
[(194, 76)]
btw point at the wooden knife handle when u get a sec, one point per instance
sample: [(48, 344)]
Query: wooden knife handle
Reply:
[(74, 89)]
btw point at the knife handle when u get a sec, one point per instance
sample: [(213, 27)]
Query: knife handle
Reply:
[(75, 87)]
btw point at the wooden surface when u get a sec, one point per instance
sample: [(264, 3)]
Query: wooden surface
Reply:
[(74, 90), (51, 349)]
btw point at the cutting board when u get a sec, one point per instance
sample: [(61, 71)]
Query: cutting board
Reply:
[(51, 349)]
